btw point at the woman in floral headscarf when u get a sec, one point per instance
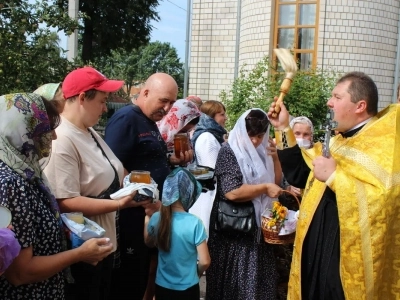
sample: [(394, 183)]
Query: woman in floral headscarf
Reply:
[(181, 118), (180, 237), (27, 123)]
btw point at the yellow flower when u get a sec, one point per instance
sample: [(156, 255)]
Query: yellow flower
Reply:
[(277, 215), (276, 205), (282, 212)]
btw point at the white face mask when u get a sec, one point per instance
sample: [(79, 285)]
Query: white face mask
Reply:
[(303, 143)]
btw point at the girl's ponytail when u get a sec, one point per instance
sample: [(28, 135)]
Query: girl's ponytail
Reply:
[(164, 229)]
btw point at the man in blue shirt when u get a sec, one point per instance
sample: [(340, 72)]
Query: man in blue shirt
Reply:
[(133, 135)]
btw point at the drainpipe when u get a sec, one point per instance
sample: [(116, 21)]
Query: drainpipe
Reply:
[(187, 45), (72, 41), (396, 66), (238, 17)]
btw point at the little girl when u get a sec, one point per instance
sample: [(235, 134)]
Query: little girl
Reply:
[(180, 238)]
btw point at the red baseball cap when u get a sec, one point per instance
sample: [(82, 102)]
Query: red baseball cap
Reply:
[(88, 78)]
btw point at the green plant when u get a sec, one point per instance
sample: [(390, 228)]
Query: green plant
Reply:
[(255, 88)]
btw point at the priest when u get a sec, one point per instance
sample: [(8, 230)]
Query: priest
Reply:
[(347, 242)]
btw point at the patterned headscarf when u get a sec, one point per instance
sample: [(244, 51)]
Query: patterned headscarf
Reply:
[(181, 185), (256, 166), (25, 138), (48, 90), (181, 113)]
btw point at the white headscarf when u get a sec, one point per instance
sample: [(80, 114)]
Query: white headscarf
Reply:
[(303, 120), (256, 165)]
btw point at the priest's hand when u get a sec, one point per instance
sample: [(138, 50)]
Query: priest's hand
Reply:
[(281, 121), (323, 167)]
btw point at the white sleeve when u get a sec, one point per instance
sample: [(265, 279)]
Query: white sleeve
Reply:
[(207, 148)]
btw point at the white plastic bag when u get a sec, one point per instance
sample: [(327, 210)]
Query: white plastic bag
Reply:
[(290, 223), (147, 190), (81, 232)]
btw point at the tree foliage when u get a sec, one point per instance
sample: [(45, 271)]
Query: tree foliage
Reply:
[(113, 24), (135, 66), (30, 55), (257, 87)]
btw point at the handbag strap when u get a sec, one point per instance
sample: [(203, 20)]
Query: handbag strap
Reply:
[(102, 151), (114, 186)]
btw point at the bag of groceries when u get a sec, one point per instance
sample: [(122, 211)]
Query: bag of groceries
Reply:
[(80, 229)]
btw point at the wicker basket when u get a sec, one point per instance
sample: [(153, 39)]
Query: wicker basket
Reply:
[(271, 235)]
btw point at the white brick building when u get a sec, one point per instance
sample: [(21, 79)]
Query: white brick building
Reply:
[(347, 35)]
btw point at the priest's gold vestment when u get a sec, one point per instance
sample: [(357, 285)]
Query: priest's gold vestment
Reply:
[(367, 187)]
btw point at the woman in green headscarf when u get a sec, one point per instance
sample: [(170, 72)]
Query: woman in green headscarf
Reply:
[(52, 92)]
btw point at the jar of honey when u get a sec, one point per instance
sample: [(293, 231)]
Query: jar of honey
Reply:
[(140, 176), (181, 143)]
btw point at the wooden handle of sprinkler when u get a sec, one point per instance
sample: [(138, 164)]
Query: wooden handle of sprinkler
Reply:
[(284, 89)]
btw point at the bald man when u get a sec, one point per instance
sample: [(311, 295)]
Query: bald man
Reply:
[(134, 137)]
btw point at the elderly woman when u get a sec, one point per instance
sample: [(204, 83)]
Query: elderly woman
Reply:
[(242, 264), (303, 130), (83, 172), (181, 118), (27, 123)]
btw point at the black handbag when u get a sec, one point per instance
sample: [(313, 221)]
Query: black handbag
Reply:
[(235, 216)]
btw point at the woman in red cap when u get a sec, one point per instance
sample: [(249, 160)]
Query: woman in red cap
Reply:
[(83, 172)]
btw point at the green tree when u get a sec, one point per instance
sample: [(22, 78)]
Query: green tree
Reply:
[(30, 54), (257, 87), (113, 24), (160, 57), (136, 66)]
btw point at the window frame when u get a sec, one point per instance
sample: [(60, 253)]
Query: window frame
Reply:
[(296, 27)]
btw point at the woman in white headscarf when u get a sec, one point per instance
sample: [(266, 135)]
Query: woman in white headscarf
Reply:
[(242, 264), (303, 130)]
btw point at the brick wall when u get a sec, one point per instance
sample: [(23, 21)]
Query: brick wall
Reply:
[(212, 58), (255, 31), (353, 36), (360, 36)]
